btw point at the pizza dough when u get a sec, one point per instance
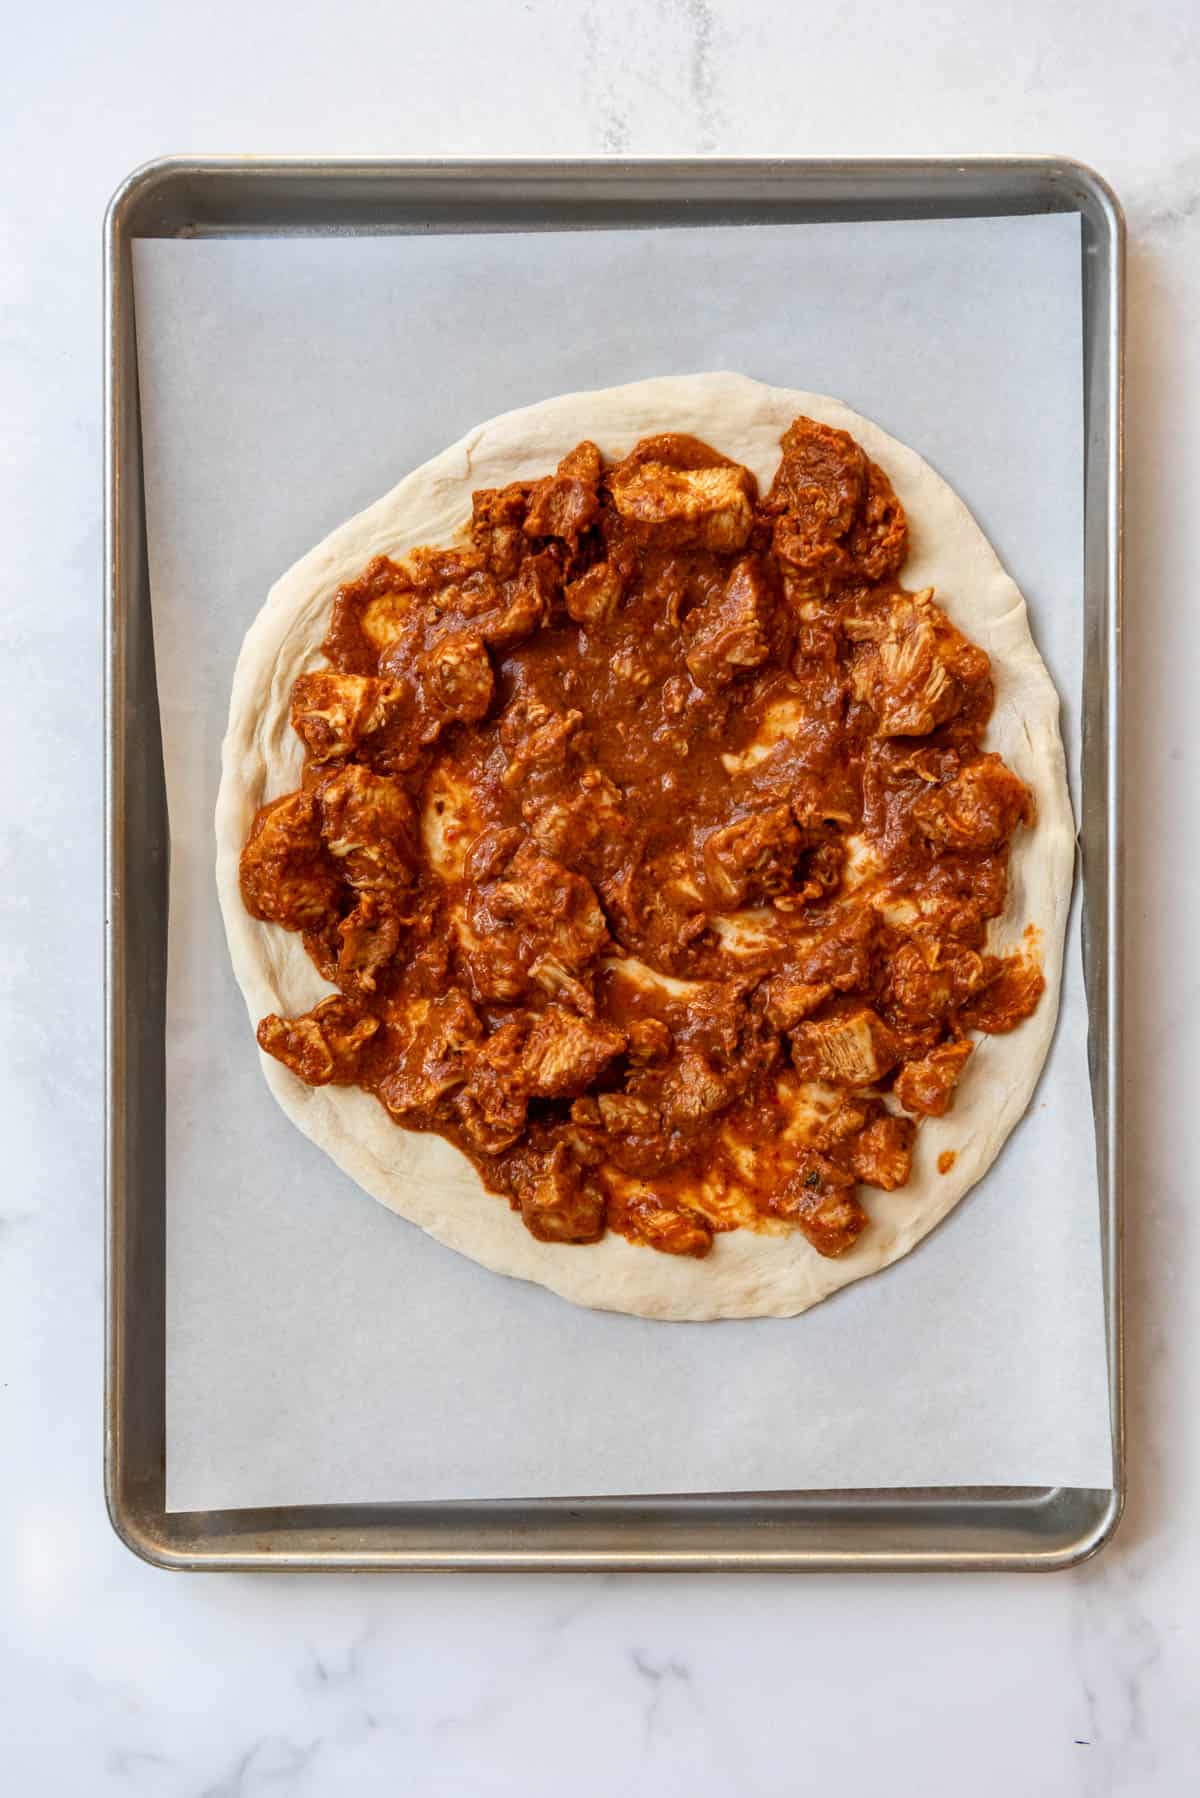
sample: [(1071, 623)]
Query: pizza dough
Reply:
[(421, 1176)]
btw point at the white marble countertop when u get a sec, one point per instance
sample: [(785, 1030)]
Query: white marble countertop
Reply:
[(116, 1677)]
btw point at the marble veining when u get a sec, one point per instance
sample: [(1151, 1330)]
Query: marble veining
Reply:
[(116, 1678)]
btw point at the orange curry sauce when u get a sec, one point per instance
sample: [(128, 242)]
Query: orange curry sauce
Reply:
[(650, 845)]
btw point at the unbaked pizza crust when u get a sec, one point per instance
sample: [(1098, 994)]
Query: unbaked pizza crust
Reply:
[(422, 1176)]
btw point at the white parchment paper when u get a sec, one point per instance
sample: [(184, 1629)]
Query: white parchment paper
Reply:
[(320, 1350)]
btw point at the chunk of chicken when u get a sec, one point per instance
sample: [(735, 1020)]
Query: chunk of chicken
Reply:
[(753, 858), (584, 828), (533, 923), (882, 1154), (369, 938), (491, 852), (623, 1115), (649, 1040), (850, 1115), (524, 604), (672, 1230), (497, 517), (534, 737), (559, 1203), (787, 1000), (845, 953), (456, 681), (332, 713), (928, 977), (566, 503), (492, 1104), (323, 1046), (912, 667), (728, 635), (369, 827), (708, 506), (693, 1091), (593, 598), (979, 809), (286, 877), (564, 1054), (819, 1199), (1013, 985), (553, 910), (435, 1039), (839, 519), (927, 1086), (856, 1048)]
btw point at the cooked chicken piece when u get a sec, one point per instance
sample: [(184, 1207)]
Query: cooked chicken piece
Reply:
[(524, 604), (927, 1086), (649, 1040), (654, 914), (558, 1202), (692, 1091), (543, 743), (370, 936), (788, 1000), (878, 539), (753, 858), (849, 1117), (821, 478), (961, 892), (435, 1039), (553, 910), (286, 877), (819, 1198), (492, 1104), (839, 518), (332, 713), (456, 681), (560, 984), (913, 668), (844, 955), (537, 923), (728, 636), (1014, 984), (323, 1046), (979, 809), (709, 506), (497, 515), (622, 1115), (565, 503), (585, 828), (670, 1230), (491, 852), (928, 977), (369, 827), (563, 1053), (882, 1154), (595, 596), (854, 1049), (715, 1018)]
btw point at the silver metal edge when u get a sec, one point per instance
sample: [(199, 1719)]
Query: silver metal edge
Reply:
[(149, 1536)]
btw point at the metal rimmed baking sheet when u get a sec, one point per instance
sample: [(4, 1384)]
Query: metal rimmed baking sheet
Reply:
[(447, 199)]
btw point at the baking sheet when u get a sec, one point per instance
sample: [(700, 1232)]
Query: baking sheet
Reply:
[(318, 1349)]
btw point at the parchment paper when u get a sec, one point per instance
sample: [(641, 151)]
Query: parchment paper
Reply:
[(319, 1349)]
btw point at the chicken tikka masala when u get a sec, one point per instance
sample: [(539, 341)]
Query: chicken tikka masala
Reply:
[(650, 845)]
